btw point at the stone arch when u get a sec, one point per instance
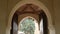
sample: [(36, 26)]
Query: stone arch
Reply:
[(36, 23), (27, 17), (36, 2)]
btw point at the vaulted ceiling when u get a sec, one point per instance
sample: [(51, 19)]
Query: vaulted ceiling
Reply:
[(28, 8)]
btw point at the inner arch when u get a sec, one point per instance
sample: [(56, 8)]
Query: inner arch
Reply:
[(28, 25)]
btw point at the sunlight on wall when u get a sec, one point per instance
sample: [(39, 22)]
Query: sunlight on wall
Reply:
[(36, 28), (41, 26)]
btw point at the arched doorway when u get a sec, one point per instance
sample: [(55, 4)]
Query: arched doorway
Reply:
[(30, 9), (36, 3), (28, 25)]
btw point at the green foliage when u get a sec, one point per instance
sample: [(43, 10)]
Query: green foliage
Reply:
[(27, 26)]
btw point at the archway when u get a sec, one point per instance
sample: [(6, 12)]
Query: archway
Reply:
[(36, 2), (28, 21)]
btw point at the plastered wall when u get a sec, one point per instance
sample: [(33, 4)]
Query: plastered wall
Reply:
[(7, 5), (3, 16), (57, 16)]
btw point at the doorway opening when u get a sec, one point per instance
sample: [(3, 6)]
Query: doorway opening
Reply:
[(28, 25), (41, 27)]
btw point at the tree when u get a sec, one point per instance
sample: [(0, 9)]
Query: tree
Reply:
[(27, 26)]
